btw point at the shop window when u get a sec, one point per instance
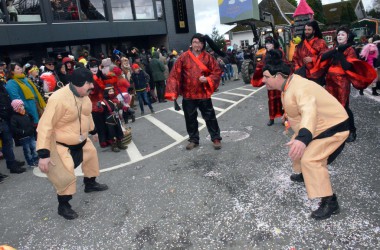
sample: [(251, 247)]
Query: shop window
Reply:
[(75, 10), (20, 11), (144, 9), (121, 9)]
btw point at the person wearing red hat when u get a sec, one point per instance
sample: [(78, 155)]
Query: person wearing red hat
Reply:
[(111, 106), (140, 79), (63, 143)]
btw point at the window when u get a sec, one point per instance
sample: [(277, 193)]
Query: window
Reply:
[(121, 9), (160, 11), (144, 9), (244, 43), (68, 10), (20, 11)]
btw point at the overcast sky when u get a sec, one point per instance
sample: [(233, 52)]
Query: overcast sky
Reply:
[(207, 15)]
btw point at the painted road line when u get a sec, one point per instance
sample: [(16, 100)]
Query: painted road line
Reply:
[(200, 120), (244, 88), (218, 109), (230, 93), (133, 152), (165, 128), (222, 99)]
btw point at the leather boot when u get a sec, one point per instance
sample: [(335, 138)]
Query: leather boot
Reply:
[(361, 92), (327, 207), (120, 145), (374, 92), (90, 185), (64, 207), (297, 177), (351, 137), (270, 122), (114, 147)]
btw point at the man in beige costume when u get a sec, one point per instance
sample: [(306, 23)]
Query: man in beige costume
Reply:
[(62, 142), (320, 125)]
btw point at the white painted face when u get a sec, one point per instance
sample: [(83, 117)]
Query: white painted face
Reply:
[(94, 70), (342, 37), (269, 46)]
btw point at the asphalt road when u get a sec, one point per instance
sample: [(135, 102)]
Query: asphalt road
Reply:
[(240, 197)]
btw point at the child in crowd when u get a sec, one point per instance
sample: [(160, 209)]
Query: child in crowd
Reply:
[(140, 79), (110, 106), (369, 54), (24, 131)]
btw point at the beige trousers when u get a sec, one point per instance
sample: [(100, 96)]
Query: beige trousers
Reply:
[(313, 164), (63, 178)]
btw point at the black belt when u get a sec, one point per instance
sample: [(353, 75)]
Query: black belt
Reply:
[(76, 152)]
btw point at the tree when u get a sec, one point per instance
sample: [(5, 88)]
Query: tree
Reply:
[(316, 6), (375, 9), (217, 38), (293, 2)]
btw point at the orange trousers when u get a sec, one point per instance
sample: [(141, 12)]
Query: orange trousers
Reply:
[(313, 164)]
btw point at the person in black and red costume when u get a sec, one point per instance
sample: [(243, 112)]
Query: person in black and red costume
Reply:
[(274, 96), (111, 105)]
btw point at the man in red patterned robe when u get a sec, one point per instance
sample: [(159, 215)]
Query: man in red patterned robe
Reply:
[(195, 76), (308, 50)]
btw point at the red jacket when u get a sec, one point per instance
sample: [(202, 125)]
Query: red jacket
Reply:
[(184, 77)]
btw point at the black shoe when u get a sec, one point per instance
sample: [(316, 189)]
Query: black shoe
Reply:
[(4, 176), (90, 185), (270, 123), (351, 137), (361, 92), (66, 212), (19, 163), (328, 206), (133, 118), (17, 170), (374, 92), (297, 177)]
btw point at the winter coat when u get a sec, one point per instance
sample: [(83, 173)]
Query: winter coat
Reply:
[(5, 104), (157, 68), (140, 80), (22, 125)]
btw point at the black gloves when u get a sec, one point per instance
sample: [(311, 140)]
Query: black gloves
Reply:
[(328, 55), (339, 57)]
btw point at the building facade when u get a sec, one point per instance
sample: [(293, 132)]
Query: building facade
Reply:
[(41, 28)]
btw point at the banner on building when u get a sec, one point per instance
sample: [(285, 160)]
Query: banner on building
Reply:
[(180, 16), (232, 11)]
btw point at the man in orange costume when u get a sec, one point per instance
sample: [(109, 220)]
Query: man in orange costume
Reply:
[(308, 50), (195, 76), (62, 142), (320, 126)]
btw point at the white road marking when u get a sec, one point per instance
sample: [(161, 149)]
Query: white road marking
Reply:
[(222, 99), (218, 109), (230, 93), (200, 120), (250, 90), (169, 131), (133, 152)]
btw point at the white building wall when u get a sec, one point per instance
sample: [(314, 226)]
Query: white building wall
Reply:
[(244, 35)]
